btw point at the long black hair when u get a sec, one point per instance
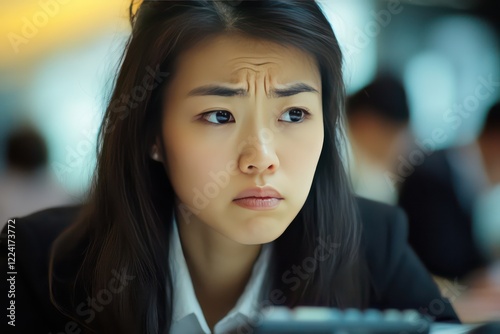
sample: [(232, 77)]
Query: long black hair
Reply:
[(126, 222)]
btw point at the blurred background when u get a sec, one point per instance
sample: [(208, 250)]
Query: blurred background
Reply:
[(422, 78)]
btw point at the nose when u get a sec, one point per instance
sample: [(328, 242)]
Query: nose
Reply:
[(258, 156)]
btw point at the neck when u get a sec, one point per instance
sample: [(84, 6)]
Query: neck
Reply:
[(219, 267)]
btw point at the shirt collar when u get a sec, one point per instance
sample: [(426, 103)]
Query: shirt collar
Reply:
[(185, 302)]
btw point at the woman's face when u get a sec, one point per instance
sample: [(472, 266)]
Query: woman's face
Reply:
[(241, 135)]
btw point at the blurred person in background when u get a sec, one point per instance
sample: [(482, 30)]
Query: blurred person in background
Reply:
[(378, 117), (27, 184), (486, 214), (440, 195)]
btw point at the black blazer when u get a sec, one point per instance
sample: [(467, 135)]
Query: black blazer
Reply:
[(398, 278)]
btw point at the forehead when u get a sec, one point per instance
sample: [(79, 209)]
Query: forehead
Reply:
[(237, 59)]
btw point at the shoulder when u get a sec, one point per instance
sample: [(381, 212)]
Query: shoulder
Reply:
[(32, 237), (398, 278), (46, 224), (385, 233), (35, 233), (375, 215)]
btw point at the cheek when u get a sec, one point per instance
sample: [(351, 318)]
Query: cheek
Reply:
[(191, 161), (299, 159), (300, 155)]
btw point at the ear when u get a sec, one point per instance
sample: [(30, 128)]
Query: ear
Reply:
[(155, 153)]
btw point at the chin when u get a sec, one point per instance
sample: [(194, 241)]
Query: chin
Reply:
[(260, 232)]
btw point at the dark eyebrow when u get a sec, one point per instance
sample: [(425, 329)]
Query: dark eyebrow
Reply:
[(216, 90)]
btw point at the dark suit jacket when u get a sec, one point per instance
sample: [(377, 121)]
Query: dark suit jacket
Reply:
[(440, 224), (398, 278)]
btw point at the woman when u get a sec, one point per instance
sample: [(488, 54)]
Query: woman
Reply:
[(219, 186)]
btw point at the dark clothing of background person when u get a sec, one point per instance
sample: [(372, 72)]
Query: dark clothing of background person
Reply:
[(440, 198), (440, 218)]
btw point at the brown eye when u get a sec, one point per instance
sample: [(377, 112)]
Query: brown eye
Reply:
[(218, 117), (294, 115)]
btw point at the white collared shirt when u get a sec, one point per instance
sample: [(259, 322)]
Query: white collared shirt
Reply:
[(187, 314)]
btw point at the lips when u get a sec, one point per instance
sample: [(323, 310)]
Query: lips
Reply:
[(260, 193), (266, 198)]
